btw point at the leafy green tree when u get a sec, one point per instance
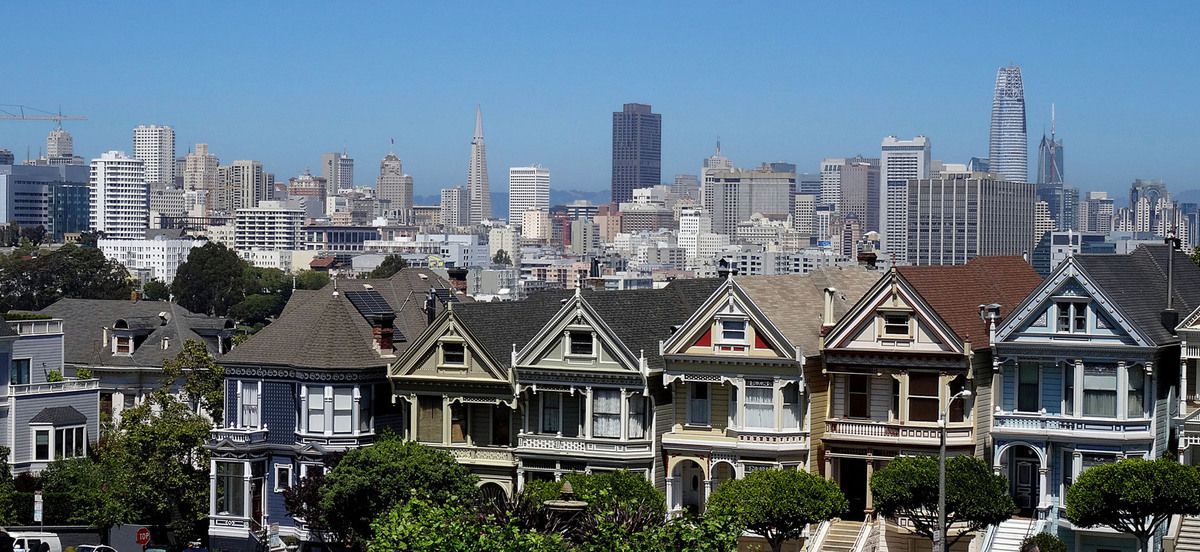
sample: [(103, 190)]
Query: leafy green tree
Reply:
[(211, 280), (89, 239), (502, 258), (777, 504), (34, 282), (386, 474), (389, 267), (426, 525), (83, 491), (605, 492), (155, 290), (311, 279), (162, 441), (265, 281), (8, 490), (257, 309), (203, 379), (975, 498), (35, 234), (1134, 496)]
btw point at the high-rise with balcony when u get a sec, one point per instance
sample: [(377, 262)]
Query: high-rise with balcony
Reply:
[(1008, 145), (528, 188), (636, 150), (119, 198), (900, 161), (395, 186), (201, 171), (154, 146), (477, 175)]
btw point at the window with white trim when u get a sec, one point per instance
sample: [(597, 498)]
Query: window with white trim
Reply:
[(343, 409), (314, 409), (248, 399), (70, 442), (1137, 392), (231, 489), (581, 343), (41, 445), (1072, 316), (760, 404), (453, 353), (733, 331), (551, 412), (637, 417), (698, 403), (792, 408), (896, 325), (923, 399), (1100, 390), (283, 477), (606, 413)]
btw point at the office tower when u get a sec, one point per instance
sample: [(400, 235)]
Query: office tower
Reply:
[(154, 146), (477, 176), (851, 233), (585, 237), (395, 186), (1042, 221), (831, 181), (6, 157), (636, 150), (710, 166), (954, 218), (59, 143), (201, 172), (860, 192), (803, 213), (1008, 146), (119, 198), (528, 188), (808, 184), (686, 186), (1070, 211), (737, 194), (53, 197), (1149, 200), (1050, 176), (900, 162), (338, 170), (456, 207), (1096, 213), (535, 224), (244, 184)]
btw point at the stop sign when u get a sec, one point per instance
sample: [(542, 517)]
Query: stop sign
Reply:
[(143, 536)]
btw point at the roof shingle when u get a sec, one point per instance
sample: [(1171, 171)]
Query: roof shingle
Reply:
[(955, 292)]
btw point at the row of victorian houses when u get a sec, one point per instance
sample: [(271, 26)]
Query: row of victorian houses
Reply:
[(835, 372)]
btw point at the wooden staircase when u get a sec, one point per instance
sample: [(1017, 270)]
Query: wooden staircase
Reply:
[(841, 536)]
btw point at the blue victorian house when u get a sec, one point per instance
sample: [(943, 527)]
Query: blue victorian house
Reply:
[(312, 383), (1084, 371)]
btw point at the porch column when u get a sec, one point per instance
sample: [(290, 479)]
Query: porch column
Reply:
[(1043, 482), (520, 479), (412, 417), (1183, 381), (672, 487), (870, 472), (587, 414), (212, 486), (446, 417), (247, 495), (828, 467), (624, 415)]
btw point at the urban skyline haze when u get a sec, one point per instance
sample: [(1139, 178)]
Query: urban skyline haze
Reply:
[(415, 74)]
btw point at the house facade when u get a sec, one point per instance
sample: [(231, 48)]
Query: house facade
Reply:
[(897, 364), (42, 420), (735, 374), (1084, 373), (310, 384)]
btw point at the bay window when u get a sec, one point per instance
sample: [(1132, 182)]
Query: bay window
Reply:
[(231, 489), (923, 397), (364, 409), (792, 413), (1137, 392), (343, 409), (314, 409), (1100, 390), (637, 417), (69, 442), (760, 404), (248, 402), (606, 413)]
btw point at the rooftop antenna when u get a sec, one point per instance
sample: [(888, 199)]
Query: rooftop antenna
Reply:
[(1052, 121)]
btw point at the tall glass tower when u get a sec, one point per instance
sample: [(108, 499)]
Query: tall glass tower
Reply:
[(1008, 145)]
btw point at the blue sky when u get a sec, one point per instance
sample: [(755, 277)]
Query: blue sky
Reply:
[(283, 82)]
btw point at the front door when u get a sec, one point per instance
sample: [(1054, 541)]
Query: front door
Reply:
[(692, 479), (1024, 477), (852, 478)]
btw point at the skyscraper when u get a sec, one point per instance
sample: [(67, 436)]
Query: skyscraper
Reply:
[(455, 207), (119, 197), (900, 162), (59, 143), (709, 167), (395, 186), (636, 150), (860, 192), (954, 218), (154, 146), (528, 188), (737, 194), (831, 181), (1008, 145), (244, 184), (338, 170), (477, 176), (1050, 176), (201, 172)]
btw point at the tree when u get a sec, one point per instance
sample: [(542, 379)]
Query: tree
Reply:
[(83, 491), (35, 234), (8, 490), (1043, 542), (311, 279), (389, 267), (155, 290), (501, 258), (777, 504), (622, 507), (257, 309), (975, 498), (203, 378), (1134, 496), (425, 525), (211, 280), (386, 474), (34, 282)]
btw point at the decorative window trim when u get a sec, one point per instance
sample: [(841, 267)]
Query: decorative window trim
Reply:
[(275, 470), (882, 325), (34, 430), (570, 344), (442, 363), (721, 338)]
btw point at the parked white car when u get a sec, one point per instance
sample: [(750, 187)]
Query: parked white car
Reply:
[(32, 541)]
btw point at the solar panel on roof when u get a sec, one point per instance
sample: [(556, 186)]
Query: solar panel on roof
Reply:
[(445, 295), (369, 302)]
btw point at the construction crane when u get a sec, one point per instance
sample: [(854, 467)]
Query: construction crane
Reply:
[(13, 112)]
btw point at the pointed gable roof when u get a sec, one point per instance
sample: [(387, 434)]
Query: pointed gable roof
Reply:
[(955, 292), (1137, 284), (892, 291)]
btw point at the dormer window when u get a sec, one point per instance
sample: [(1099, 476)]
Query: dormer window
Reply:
[(454, 354), (581, 343), (733, 330), (1072, 316), (123, 345), (896, 325)]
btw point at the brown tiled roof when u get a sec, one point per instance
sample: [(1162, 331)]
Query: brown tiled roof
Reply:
[(955, 292), (796, 303)]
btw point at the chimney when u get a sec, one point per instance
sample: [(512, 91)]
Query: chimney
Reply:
[(430, 307), (726, 268), (827, 319), (458, 278), (1170, 316), (382, 330), (135, 295)]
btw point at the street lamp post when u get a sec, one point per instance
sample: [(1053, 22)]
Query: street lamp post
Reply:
[(939, 542)]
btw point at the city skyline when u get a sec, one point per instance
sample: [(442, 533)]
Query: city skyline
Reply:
[(1100, 84)]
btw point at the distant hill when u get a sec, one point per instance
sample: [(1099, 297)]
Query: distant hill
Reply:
[(557, 197)]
